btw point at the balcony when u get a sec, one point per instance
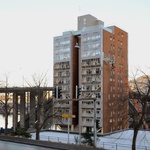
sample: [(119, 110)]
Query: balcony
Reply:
[(88, 114), (86, 65), (87, 104), (66, 106), (88, 123), (62, 66), (62, 105), (61, 76), (90, 63), (92, 80), (98, 115), (58, 82)]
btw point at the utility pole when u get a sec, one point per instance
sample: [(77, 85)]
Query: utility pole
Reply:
[(95, 133)]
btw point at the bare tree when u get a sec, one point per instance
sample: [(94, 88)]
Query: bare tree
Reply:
[(7, 108), (44, 104), (140, 98)]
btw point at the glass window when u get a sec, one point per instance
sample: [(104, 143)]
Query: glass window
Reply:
[(92, 47)]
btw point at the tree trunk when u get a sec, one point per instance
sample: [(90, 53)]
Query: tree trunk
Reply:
[(136, 129), (37, 133), (6, 123), (6, 115), (134, 138)]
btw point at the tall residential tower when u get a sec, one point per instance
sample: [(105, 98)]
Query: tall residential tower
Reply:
[(94, 58)]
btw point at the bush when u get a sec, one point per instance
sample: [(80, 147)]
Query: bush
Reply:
[(21, 132), (87, 138)]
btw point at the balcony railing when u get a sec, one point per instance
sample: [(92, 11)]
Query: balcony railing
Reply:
[(88, 114), (93, 64), (87, 105), (63, 75), (88, 123)]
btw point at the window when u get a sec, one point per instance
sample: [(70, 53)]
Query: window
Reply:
[(97, 70), (88, 79), (111, 114), (67, 73), (98, 112), (97, 36), (98, 103), (60, 74), (98, 95), (111, 47), (88, 111), (67, 81), (111, 88), (88, 71), (84, 21), (89, 87)]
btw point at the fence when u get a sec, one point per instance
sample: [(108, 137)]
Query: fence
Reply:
[(120, 146), (74, 139)]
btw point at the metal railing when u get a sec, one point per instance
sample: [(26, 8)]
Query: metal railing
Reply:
[(120, 146), (74, 139)]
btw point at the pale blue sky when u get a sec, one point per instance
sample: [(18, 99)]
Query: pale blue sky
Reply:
[(27, 28)]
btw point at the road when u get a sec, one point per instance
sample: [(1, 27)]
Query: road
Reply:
[(16, 146), (14, 143)]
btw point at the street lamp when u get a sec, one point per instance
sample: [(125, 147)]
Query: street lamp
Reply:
[(77, 45)]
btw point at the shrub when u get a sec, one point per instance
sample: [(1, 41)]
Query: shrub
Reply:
[(87, 138), (21, 132)]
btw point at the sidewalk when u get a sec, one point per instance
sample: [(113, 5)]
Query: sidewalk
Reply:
[(47, 144)]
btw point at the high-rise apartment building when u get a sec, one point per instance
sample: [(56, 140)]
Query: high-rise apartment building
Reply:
[(95, 58)]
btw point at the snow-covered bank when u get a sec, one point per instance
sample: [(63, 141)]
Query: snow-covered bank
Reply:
[(115, 141)]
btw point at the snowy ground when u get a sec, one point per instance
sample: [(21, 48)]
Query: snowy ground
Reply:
[(123, 140), (56, 137), (114, 141)]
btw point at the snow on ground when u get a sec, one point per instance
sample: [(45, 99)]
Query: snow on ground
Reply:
[(57, 137), (114, 141), (123, 140)]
